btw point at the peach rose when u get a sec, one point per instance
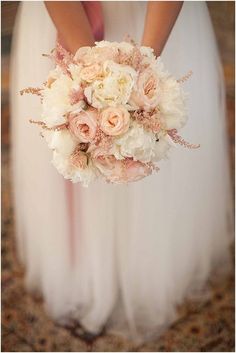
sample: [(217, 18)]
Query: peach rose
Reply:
[(91, 73), (83, 125), (121, 171), (114, 121), (146, 95)]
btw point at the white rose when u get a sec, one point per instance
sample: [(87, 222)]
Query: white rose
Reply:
[(136, 143), (114, 89)]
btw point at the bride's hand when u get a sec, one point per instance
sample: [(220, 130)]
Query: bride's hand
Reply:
[(72, 24), (160, 19)]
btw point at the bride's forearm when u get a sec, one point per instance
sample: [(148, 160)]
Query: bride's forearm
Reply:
[(160, 19), (71, 23)]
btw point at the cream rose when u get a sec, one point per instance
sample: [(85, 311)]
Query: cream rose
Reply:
[(91, 73), (114, 121), (146, 94), (83, 55), (90, 55), (83, 125), (104, 53), (114, 89)]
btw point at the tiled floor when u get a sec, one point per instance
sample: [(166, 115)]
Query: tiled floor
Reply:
[(207, 326)]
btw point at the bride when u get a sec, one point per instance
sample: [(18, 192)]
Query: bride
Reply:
[(117, 256)]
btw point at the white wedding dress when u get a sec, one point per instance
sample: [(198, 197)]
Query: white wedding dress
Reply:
[(123, 256)]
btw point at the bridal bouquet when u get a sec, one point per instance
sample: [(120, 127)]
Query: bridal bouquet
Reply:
[(110, 111)]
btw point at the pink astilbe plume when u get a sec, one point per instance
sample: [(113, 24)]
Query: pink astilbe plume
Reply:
[(45, 127), (185, 77), (148, 120), (76, 96), (62, 58), (31, 90), (179, 140), (102, 140), (101, 144), (136, 59), (133, 59)]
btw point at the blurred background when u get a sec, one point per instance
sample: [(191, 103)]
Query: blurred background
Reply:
[(204, 327)]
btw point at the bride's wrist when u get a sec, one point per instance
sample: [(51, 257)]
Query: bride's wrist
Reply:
[(73, 45)]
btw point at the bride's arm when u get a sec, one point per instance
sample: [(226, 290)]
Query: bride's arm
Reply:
[(71, 23), (160, 19)]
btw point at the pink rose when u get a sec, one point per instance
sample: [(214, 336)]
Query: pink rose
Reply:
[(147, 92), (76, 95), (136, 170), (83, 125), (114, 121), (78, 159), (121, 171)]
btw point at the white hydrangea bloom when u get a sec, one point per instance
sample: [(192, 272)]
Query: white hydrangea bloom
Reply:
[(172, 104), (172, 99), (60, 141), (123, 46), (56, 100), (148, 52), (162, 147), (62, 164), (159, 68), (136, 143), (104, 43)]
